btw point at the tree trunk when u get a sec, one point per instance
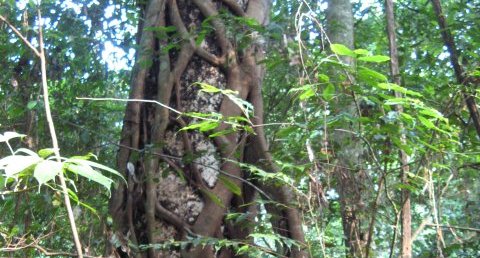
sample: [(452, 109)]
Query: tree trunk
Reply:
[(349, 151), (179, 182), (406, 216), (462, 78)]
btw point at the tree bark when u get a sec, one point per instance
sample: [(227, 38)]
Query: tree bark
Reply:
[(173, 189), (348, 172), (460, 75), (406, 218)]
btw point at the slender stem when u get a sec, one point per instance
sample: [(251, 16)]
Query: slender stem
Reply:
[(56, 149), (19, 34)]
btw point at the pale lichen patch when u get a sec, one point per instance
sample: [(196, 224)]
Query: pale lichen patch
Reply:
[(176, 196), (207, 162)]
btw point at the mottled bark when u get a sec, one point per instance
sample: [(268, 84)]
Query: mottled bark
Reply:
[(174, 174), (349, 172)]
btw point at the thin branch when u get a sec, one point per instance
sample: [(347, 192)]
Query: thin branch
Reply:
[(19, 34), (454, 227), (41, 54), (133, 100)]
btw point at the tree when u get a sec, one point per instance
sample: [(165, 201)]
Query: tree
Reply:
[(406, 216), (182, 182), (349, 149)]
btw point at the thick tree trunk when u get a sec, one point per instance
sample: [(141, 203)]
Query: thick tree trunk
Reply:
[(406, 216), (349, 151), (174, 190)]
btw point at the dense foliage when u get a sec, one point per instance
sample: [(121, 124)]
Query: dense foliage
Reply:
[(90, 48)]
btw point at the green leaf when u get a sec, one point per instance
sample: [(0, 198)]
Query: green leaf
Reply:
[(342, 50), (361, 51), (244, 105), (398, 101), (307, 94), (370, 76), (230, 185), (328, 92), (10, 135), (213, 197), (32, 104), (15, 164), (398, 88), (208, 88), (427, 123), (433, 113), (202, 126), (242, 250), (44, 153), (406, 187), (221, 133), (374, 59), (88, 172), (95, 165), (323, 78), (47, 170)]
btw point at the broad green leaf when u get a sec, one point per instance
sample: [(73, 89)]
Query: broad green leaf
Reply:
[(397, 101), (230, 185), (374, 59), (221, 133), (361, 51), (370, 76), (15, 164), (406, 117), (323, 78), (307, 94), (213, 197), (244, 105), (90, 173), (342, 50), (208, 88), (26, 151), (10, 135), (397, 88), (44, 153), (95, 165), (433, 113), (47, 170), (328, 92), (242, 250), (32, 104), (202, 126)]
